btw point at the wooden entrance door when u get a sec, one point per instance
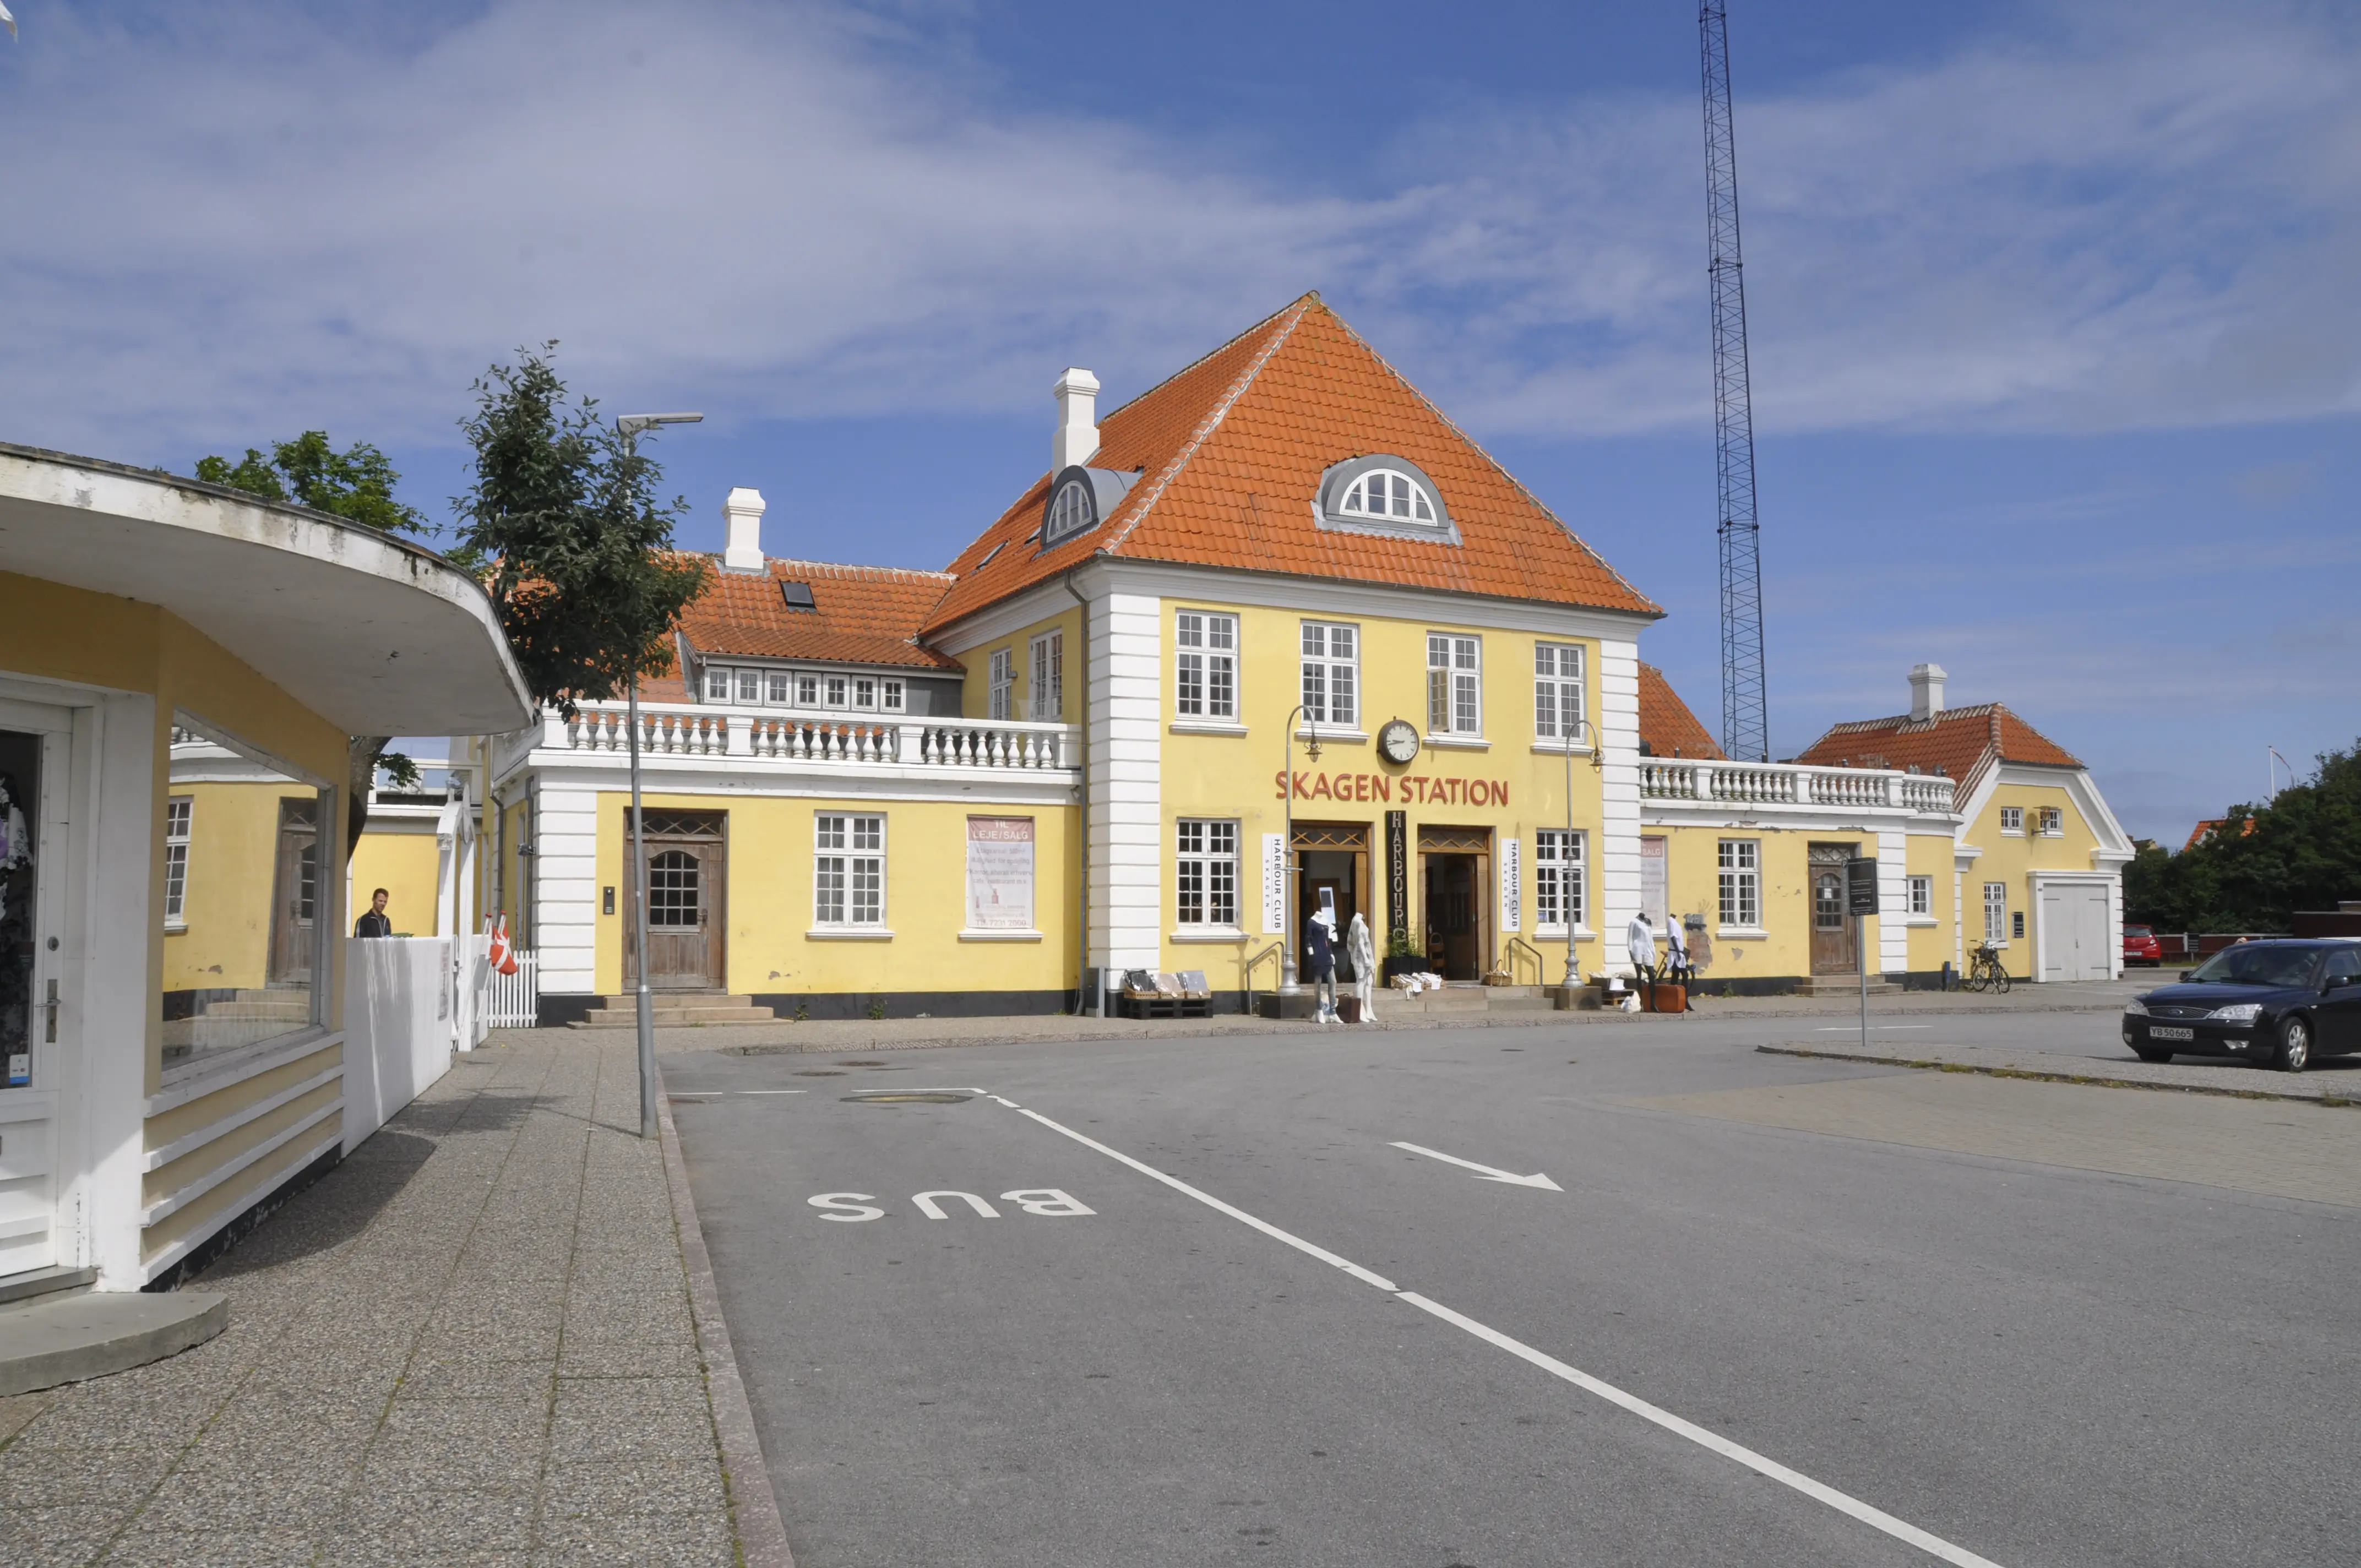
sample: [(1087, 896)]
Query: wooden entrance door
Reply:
[(295, 901), (1455, 878), (1334, 857), (1833, 929), (687, 872)]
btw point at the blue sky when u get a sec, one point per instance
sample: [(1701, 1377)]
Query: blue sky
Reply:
[(2057, 371)]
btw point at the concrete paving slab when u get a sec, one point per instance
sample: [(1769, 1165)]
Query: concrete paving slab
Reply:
[(68, 1338)]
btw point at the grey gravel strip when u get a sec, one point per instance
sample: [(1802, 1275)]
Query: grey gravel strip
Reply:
[(753, 1507), (2308, 1089)]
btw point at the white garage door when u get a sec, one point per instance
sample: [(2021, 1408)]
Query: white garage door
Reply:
[(2075, 942)]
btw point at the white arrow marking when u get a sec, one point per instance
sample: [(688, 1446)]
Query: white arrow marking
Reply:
[(1486, 1171)]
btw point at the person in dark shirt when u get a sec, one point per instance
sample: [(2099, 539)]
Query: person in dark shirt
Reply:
[(374, 923)]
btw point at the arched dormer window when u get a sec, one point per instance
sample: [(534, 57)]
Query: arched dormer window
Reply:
[(1381, 493), (1387, 493), (1080, 499)]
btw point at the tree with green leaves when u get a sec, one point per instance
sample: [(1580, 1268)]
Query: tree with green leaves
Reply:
[(2301, 850), (355, 485), (564, 525)]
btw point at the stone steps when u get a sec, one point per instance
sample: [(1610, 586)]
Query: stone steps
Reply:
[(675, 1010), (1842, 985), (55, 1329)]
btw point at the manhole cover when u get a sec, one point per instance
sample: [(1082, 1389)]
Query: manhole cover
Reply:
[(820, 1072), (912, 1097)]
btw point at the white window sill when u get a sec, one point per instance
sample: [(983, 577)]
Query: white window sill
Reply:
[(1207, 727), (848, 934), (1209, 934), (1557, 934), (1001, 935), (1559, 748), (1999, 947), (175, 927), (1325, 735), (1740, 934), (2012, 832), (1459, 742), (1916, 920)]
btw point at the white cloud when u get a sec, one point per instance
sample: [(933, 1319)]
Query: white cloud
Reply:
[(244, 222)]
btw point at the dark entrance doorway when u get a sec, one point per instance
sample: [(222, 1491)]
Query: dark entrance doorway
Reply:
[(687, 872), (1334, 857), (1455, 879), (1833, 931), (295, 893)]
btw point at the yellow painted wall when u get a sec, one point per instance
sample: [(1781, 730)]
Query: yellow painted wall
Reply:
[(1237, 776), (975, 692), (406, 862), (2011, 859), (1930, 855), (1693, 885), (769, 899), (229, 898)]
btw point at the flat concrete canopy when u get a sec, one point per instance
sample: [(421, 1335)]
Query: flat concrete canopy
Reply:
[(378, 636)]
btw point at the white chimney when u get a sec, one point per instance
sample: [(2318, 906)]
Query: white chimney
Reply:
[(1077, 440), (744, 510), (1926, 691)]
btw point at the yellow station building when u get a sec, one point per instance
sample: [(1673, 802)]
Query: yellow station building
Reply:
[(1272, 633)]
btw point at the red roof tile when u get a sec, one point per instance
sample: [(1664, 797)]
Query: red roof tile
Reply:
[(1231, 452), (865, 614), (1956, 742), (1667, 728)]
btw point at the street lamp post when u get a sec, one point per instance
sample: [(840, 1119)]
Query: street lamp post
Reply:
[(1565, 892), (629, 427), (1290, 982)]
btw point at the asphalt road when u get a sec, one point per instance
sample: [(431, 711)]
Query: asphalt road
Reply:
[(2025, 1362)]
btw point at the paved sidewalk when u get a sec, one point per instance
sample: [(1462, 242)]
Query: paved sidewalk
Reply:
[(2333, 1081), (820, 1034), (472, 1342)]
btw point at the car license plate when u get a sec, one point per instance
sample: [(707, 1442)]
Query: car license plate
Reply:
[(2168, 1031)]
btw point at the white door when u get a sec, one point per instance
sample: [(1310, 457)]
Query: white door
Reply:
[(36, 1032), (2074, 933)]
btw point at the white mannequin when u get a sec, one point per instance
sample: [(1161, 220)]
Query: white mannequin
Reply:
[(1362, 948)]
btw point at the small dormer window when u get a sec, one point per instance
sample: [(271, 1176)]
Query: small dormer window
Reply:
[(1387, 493), (1384, 494), (1070, 512)]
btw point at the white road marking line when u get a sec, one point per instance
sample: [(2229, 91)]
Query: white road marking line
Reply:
[(1486, 1172), (774, 1092), (1873, 1028), (1876, 1519)]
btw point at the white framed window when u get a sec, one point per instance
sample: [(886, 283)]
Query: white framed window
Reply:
[(1069, 511), (1560, 858), (177, 811), (716, 684), (1387, 493), (1996, 914), (1922, 895), (1558, 691), (1455, 685), (848, 870), (835, 686), (1049, 658), (782, 686), (2011, 819), (2053, 822), (1001, 685), (1742, 883), (750, 685), (1205, 673), (1205, 872), (892, 690), (1332, 674), (865, 691), (807, 688)]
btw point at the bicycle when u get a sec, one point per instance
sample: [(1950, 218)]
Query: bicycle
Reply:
[(1984, 972)]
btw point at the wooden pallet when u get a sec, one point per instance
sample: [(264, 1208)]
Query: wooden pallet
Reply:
[(1135, 1005)]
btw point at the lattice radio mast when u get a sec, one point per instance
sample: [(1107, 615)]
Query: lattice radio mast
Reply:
[(1745, 712)]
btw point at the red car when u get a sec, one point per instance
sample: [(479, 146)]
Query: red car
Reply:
[(2141, 946)]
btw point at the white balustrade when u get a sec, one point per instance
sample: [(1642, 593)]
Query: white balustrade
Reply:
[(696, 730), (1785, 784)]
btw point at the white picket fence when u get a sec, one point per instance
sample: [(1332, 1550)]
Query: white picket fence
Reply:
[(512, 1001)]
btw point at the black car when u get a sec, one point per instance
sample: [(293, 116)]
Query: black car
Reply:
[(2276, 1004)]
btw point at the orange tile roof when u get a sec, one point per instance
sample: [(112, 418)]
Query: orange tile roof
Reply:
[(1231, 450), (1667, 728), (866, 615), (1956, 742)]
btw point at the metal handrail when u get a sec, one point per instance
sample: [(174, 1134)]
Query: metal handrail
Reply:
[(1509, 951), (1246, 973)]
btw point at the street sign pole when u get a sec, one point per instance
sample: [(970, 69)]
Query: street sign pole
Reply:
[(1861, 903)]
